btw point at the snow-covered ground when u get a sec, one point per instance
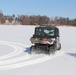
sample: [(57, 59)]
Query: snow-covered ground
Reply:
[(15, 60)]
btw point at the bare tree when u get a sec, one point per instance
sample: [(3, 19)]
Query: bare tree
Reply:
[(1, 16)]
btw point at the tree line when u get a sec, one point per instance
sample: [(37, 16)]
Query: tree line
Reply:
[(35, 20)]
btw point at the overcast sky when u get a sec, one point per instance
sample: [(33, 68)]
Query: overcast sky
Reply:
[(50, 8)]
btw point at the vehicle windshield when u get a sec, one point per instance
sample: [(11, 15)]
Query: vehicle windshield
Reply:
[(44, 32)]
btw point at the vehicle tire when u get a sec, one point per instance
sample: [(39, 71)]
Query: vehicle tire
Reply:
[(32, 48), (59, 47), (55, 46), (50, 51)]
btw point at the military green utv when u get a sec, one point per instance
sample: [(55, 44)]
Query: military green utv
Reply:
[(45, 39)]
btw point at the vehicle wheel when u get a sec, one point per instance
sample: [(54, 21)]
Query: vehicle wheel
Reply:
[(55, 46), (32, 48), (51, 50), (59, 47)]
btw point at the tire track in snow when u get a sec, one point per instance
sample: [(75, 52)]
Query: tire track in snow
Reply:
[(18, 61), (17, 50)]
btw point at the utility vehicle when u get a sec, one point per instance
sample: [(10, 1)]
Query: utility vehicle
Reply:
[(45, 39)]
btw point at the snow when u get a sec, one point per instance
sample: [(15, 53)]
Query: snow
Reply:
[(15, 60)]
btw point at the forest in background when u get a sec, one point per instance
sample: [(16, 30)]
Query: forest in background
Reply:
[(35, 20)]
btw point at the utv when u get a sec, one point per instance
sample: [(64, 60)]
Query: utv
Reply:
[(45, 39)]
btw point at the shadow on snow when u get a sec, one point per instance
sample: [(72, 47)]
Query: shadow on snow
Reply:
[(27, 49), (72, 54)]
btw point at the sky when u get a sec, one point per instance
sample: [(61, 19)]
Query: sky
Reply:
[(50, 8)]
